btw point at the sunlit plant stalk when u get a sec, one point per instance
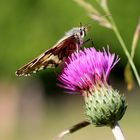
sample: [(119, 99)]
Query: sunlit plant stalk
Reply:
[(116, 130), (135, 40)]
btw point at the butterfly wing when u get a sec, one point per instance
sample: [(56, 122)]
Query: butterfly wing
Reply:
[(51, 58)]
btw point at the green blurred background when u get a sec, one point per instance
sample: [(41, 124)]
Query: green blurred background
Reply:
[(34, 107)]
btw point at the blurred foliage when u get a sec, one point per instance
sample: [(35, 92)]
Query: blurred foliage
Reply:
[(29, 27)]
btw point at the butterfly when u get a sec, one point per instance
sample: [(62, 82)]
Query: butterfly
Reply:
[(51, 58)]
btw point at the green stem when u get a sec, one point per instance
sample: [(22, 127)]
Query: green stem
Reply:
[(115, 29), (126, 51)]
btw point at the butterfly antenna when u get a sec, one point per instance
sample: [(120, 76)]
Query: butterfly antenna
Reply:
[(81, 25)]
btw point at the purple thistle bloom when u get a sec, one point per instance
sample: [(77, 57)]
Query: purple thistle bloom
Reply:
[(87, 68), (87, 72)]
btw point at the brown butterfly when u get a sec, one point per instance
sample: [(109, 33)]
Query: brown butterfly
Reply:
[(72, 41)]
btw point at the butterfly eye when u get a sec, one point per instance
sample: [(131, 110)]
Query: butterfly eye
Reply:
[(81, 32)]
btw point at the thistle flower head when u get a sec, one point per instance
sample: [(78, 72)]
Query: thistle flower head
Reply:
[(87, 72), (83, 70)]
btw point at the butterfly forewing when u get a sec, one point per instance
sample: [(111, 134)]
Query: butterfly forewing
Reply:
[(52, 57), (71, 42)]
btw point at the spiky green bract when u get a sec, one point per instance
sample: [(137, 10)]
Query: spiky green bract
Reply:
[(104, 105)]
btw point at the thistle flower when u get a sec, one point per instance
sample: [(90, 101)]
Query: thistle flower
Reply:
[(87, 72)]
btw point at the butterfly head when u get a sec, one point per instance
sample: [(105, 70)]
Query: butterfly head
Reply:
[(79, 32), (82, 30)]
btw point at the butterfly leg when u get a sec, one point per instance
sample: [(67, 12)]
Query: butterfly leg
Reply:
[(72, 129), (77, 48), (86, 41), (92, 44)]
